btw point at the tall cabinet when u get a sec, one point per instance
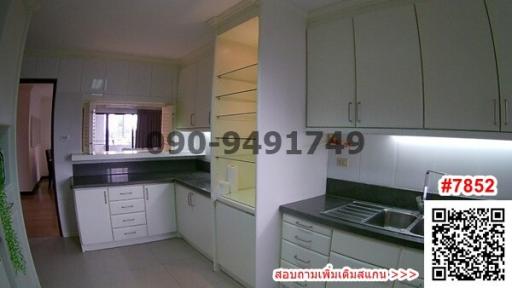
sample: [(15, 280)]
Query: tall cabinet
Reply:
[(234, 109)]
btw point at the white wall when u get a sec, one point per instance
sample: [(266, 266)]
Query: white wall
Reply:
[(401, 161), (69, 100), (282, 178)]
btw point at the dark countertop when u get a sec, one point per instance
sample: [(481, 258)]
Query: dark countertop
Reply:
[(197, 180), (310, 209)]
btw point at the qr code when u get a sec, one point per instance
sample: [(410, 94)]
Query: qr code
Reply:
[(468, 244)]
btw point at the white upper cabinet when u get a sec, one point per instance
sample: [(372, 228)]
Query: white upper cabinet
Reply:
[(201, 117), (163, 82), (186, 96), (160, 209), (94, 77), (388, 69), (117, 77), (500, 13), (139, 79), (331, 74), (460, 81), (69, 77)]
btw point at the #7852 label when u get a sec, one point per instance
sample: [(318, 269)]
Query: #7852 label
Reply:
[(456, 185)]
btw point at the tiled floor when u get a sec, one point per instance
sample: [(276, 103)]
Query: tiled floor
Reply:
[(169, 263), (39, 212)]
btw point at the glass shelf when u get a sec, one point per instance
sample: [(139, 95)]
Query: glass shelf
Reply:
[(240, 158), (240, 96), (246, 74), (241, 116)]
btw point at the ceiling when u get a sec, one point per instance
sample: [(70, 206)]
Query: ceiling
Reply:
[(156, 28)]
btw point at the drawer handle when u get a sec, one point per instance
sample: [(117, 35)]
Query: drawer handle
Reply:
[(130, 233), (129, 220), (303, 225), (302, 240), (126, 193), (301, 260), (128, 206)]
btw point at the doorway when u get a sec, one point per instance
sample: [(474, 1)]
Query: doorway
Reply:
[(36, 175)]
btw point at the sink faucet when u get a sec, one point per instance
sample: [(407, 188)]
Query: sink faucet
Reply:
[(420, 201)]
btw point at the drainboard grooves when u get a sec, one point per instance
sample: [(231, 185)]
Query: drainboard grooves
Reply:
[(354, 211)]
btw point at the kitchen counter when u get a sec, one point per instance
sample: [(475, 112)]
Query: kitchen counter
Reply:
[(310, 209), (197, 180)]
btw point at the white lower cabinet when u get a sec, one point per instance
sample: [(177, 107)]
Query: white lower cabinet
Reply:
[(93, 215), (160, 208), (306, 244), (340, 261), (236, 242), (124, 215), (195, 219)]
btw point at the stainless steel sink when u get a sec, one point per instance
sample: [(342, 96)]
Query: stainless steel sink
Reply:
[(418, 228), (391, 218)]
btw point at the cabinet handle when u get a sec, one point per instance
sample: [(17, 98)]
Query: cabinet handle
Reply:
[(129, 220), (125, 193), (301, 260), (147, 194), (303, 225), (302, 240), (105, 196), (191, 200), (127, 206), (130, 233), (358, 112), (495, 111), (191, 119), (350, 112), (506, 112)]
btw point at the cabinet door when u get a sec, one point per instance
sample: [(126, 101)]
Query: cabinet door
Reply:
[(93, 215), (202, 215), (116, 78), (93, 76), (202, 101), (184, 212), (500, 12), (139, 79), (460, 80), (185, 101), (389, 89), (160, 209), (236, 242), (163, 82), (340, 261), (331, 74)]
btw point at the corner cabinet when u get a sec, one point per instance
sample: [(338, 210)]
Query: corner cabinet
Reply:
[(124, 215), (160, 208), (195, 219), (93, 215)]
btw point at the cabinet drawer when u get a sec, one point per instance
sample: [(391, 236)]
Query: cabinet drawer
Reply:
[(302, 257), (308, 225), (376, 252), (126, 206), (125, 192), (307, 238), (287, 265), (339, 261), (131, 219), (130, 232)]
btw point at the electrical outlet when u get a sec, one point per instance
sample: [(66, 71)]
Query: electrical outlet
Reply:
[(342, 162)]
